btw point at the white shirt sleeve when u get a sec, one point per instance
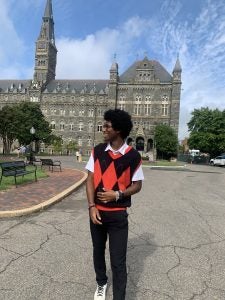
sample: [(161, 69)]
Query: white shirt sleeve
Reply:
[(138, 175), (90, 164)]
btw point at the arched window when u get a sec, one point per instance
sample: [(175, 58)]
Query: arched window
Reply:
[(81, 126), (61, 126), (52, 125)]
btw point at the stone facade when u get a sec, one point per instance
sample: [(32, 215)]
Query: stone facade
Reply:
[(75, 108)]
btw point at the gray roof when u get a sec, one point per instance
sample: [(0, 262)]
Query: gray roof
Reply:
[(14, 85), (77, 86), (159, 71)]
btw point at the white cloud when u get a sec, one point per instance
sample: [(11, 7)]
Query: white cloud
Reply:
[(10, 40), (92, 57), (200, 43)]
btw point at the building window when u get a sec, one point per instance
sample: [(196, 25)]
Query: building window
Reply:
[(53, 111), (91, 112), (99, 128), (61, 126), (138, 99), (122, 98), (72, 112), (146, 125), (34, 99), (137, 109), (147, 98), (81, 112), (81, 126), (89, 141), (165, 109), (147, 109), (121, 106), (62, 112), (52, 125), (99, 112), (71, 127)]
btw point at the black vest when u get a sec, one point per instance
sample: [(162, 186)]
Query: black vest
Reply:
[(114, 172)]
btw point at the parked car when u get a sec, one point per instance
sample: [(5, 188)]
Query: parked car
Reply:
[(218, 161)]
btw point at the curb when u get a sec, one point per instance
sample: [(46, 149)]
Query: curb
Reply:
[(45, 204)]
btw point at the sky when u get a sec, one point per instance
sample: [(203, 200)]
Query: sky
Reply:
[(89, 33)]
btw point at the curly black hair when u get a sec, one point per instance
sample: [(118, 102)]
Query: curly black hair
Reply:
[(120, 120)]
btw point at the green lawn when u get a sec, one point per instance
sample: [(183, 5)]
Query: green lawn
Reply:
[(163, 163), (8, 182)]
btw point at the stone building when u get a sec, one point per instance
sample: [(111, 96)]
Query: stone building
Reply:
[(75, 108)]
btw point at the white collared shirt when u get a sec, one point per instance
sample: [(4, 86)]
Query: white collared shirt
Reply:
[(138, 175)]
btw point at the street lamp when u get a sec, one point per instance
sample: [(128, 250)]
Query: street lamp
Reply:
[(32, 132)]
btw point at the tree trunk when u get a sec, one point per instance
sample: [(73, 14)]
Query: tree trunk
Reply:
[(7, 144)]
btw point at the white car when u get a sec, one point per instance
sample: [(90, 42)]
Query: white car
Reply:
[(218, 161)]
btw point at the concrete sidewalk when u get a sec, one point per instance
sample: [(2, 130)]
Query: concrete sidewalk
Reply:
[(35, 196)]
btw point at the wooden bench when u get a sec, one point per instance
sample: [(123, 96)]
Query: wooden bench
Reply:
[(50, 163), (15, 169)]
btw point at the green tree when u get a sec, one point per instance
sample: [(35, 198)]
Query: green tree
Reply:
[(166, 141), (207, 131), (71, 146), (16, 122), (28, 115), (57, 145)]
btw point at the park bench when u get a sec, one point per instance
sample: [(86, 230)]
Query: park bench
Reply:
[(15, 169), (50, 163), (35, 161)]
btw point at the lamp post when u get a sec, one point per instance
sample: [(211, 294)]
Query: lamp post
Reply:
[(32, 132), (154, 149)]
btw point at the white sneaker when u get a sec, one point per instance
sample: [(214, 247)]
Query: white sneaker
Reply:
[(100, 292)]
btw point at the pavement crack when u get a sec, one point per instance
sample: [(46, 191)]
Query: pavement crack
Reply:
[(28, 254), (206, 222), (12, 227), (201, 293)]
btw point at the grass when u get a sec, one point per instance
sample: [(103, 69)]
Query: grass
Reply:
[(163, 163), (9, 182)]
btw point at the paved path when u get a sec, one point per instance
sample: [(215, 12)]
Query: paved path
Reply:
[(30, 197), (176, 243)]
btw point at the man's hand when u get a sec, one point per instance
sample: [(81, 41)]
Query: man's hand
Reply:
[(106, 195), (95, 215)]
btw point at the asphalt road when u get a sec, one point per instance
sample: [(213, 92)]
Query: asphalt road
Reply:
[(176, 244)]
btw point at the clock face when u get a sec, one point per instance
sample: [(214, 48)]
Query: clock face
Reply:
[(41, 45)]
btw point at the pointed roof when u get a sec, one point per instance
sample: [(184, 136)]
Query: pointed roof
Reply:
[(140, 131), (114, 66), (159, 71), (47, 28), (177, 67), (48, 9)]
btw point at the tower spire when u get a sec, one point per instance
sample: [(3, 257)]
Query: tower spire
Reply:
[(48, 9), (46, 52)]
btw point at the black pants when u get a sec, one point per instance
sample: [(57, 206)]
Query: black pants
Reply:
[(114, 225)]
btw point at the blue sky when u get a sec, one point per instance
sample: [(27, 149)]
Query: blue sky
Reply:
[(89, 32)]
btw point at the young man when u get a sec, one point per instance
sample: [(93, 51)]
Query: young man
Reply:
[(114, 174)]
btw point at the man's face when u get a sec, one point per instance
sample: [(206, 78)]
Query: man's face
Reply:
[(109, 134)]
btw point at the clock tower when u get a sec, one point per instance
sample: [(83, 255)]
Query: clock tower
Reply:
[(46, 52)]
